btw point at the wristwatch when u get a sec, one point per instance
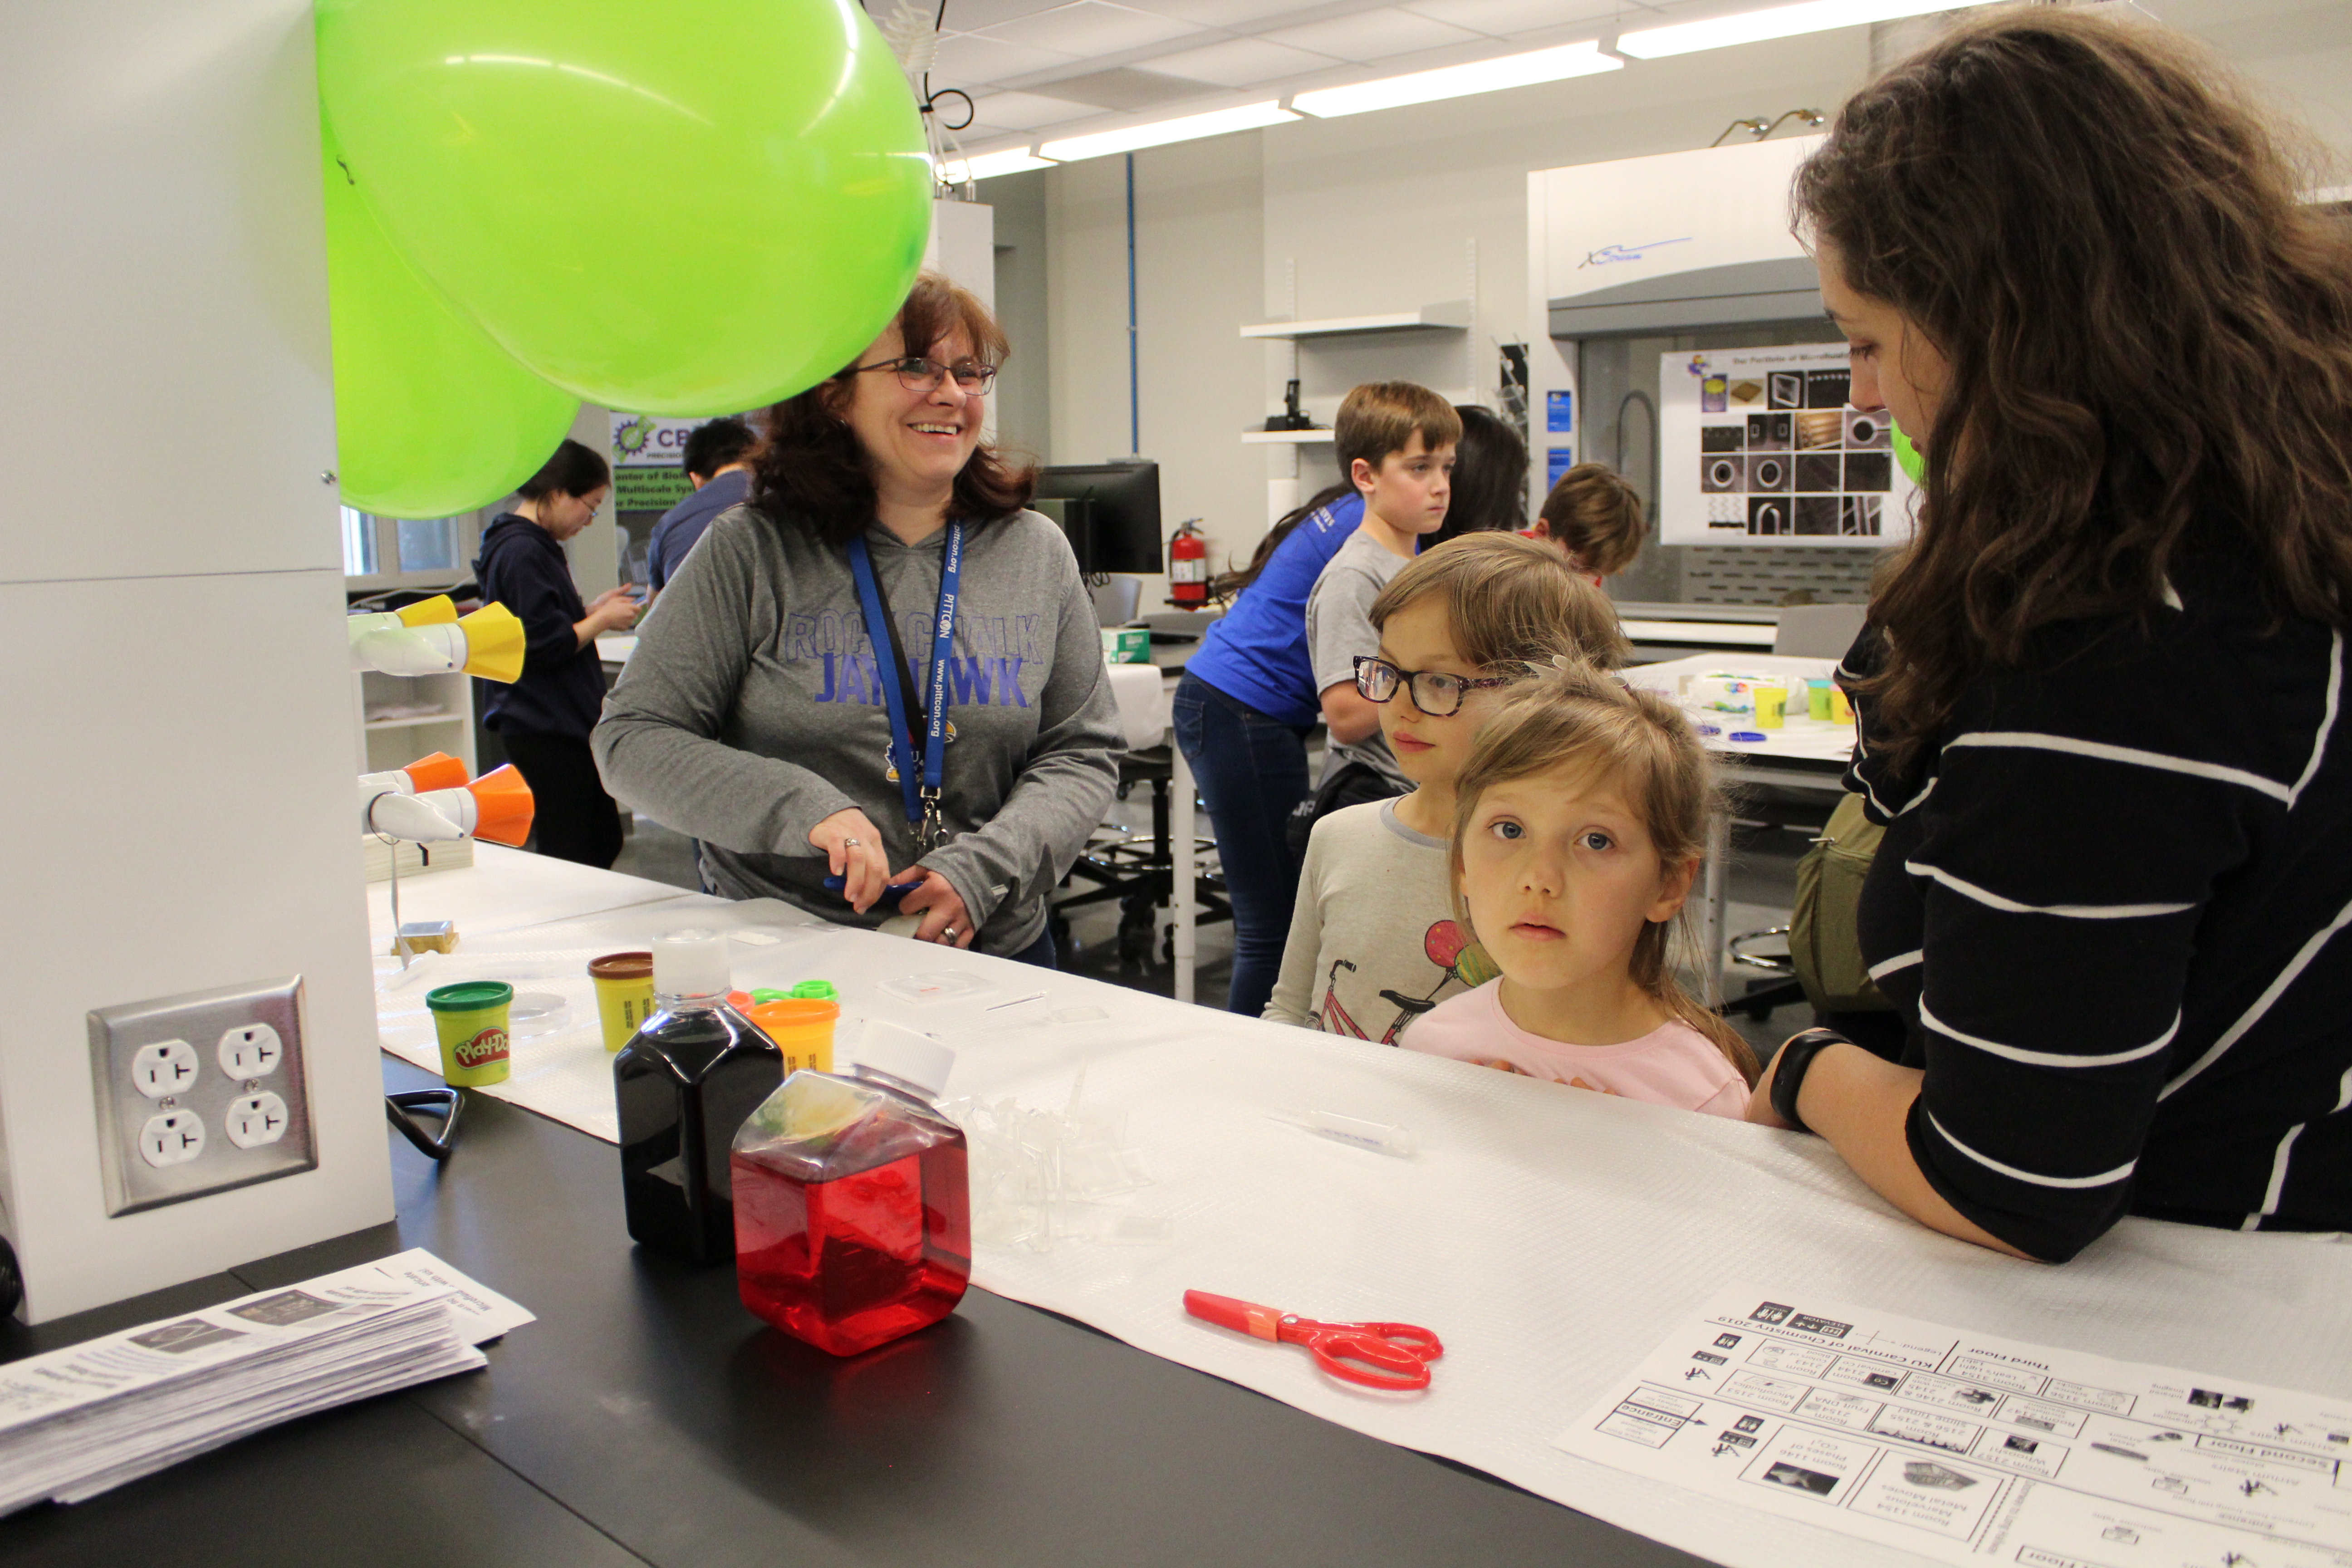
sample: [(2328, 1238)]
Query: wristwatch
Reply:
[(1788, 1071)]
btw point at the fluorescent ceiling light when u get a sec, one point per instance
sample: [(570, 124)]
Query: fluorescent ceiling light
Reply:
[(1012, 160), (1781, 22), (1127, 138), (1458, 81)]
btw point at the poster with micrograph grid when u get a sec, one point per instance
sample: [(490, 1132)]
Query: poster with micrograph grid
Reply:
[(1765, 446)]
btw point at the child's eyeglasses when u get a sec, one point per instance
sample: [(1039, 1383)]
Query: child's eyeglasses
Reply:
[(917, 374), (1435, 693)]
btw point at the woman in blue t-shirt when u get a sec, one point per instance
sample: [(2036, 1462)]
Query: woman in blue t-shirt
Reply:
[(1244, 710)]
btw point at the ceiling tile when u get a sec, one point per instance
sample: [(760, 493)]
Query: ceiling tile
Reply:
[(1236, 62), (966, 59), (1509, 18), (1091, 28), (1244, 15), (1371, 35), (1027, 110), (971, 16), (1121, 88)]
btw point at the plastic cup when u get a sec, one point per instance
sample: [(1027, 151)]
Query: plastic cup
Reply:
[(625, 994), (471, 1019), (801, 1027), (1841, 706), (1817, 700), (1772, 704)]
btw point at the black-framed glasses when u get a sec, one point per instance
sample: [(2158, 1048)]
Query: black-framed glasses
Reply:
[(1434, 692), (917, 374)]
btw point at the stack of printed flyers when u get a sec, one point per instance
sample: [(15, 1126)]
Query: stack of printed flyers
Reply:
[(76, 1422)]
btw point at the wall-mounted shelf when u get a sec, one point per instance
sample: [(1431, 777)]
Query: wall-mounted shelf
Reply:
[(1451, 316), (413, 720), (1286, 437)]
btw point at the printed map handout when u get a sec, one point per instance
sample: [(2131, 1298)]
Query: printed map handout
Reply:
[(1968, 1448)]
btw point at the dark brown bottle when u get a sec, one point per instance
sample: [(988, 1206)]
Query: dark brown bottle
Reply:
[(683, 1084)]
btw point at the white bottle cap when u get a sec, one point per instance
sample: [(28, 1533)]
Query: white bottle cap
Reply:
[(905, 1054), (691, 963)]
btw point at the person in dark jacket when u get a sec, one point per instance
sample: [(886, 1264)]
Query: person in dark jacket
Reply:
[(718, 467), (545, 716)]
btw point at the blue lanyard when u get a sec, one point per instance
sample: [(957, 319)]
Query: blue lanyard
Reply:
[(923, 800)]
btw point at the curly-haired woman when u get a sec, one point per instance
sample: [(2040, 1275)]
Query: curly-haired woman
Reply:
[(764, 712), (2102, 691)]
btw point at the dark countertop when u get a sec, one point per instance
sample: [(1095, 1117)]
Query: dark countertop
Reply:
[(647, 1417)]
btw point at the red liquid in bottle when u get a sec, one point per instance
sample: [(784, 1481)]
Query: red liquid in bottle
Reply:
[(861, 1257)]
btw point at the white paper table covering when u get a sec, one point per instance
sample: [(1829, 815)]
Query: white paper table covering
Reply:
[(1549, 1235)]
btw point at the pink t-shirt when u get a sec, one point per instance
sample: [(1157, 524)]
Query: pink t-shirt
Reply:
[(1673, 1064)]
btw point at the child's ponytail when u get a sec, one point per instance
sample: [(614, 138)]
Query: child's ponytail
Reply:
[(1570, 713)]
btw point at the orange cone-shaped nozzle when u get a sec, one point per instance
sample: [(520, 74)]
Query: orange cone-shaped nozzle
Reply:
[(439, 770), (502, 806)]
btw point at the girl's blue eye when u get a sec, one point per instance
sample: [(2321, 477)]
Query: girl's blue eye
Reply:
[(1509, 830), (1598, 841)]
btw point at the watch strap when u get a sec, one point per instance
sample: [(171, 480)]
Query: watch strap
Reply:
[(1788, 1071)]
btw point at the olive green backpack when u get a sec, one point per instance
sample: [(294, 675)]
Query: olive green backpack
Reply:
[(1823, 941)]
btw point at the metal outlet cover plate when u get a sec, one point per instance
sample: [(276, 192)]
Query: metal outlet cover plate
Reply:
[(212, 1129)]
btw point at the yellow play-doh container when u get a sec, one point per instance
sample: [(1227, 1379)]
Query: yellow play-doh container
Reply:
[(625, 994), (1841, 706), (1771, 704), (801, 1027), (470, 1017)]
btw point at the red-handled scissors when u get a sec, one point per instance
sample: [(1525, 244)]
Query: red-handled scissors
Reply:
[(1377, 1355)]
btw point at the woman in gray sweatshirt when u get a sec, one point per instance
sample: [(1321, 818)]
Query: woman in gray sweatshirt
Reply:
[(754, 714)]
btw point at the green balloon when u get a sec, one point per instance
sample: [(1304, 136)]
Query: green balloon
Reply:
[(676, 209), (1908, 457), (431, 417)]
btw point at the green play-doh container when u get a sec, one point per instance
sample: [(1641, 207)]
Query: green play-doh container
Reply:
[(471, 1019)]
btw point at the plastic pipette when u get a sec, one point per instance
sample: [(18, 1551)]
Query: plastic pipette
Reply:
[(1379, 1137)]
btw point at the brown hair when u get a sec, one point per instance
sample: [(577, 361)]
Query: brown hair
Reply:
[(1597, 518), (1375, 419), (2149, 341), (810, 470), (1509, 601), (1569, 712)]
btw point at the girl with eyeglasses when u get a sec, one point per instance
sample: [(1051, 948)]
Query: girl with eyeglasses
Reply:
[(883, 672), (1373, 940)]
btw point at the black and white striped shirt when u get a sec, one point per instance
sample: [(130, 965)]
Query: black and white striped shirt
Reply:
[(2108, 905)]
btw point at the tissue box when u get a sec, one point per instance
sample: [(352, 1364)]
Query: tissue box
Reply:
[(1126, 645)]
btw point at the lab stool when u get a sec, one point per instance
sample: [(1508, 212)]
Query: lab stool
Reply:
[(1139, 875)]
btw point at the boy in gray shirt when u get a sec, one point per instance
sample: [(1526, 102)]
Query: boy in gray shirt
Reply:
[(1405, 496)]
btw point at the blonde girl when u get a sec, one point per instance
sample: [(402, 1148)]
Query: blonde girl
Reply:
[(1579, 824)]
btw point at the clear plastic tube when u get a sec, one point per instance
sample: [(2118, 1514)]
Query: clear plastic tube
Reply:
[(1379, 1137)]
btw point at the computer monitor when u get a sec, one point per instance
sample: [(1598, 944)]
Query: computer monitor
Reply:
[(1110, 512)]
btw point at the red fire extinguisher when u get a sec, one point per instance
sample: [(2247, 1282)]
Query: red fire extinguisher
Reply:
[(1188, 567)]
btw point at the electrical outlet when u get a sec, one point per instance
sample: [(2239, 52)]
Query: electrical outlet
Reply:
[(175, 1122)]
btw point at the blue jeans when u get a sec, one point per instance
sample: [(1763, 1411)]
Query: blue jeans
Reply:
[(1251, 769)]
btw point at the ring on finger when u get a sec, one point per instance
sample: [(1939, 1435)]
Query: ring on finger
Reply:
[(947, 933), (852, 843)]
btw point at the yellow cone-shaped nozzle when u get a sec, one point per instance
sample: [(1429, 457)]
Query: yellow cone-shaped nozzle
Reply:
[(439, 610), (494, 639)]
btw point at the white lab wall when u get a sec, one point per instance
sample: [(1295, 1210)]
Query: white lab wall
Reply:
[(178, 716), (1378, 212), (1198, 237)]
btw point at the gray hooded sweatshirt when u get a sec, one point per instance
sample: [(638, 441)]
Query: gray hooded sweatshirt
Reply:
[(751, 711)]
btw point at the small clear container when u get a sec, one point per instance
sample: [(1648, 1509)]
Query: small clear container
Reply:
[(852, 1193)]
